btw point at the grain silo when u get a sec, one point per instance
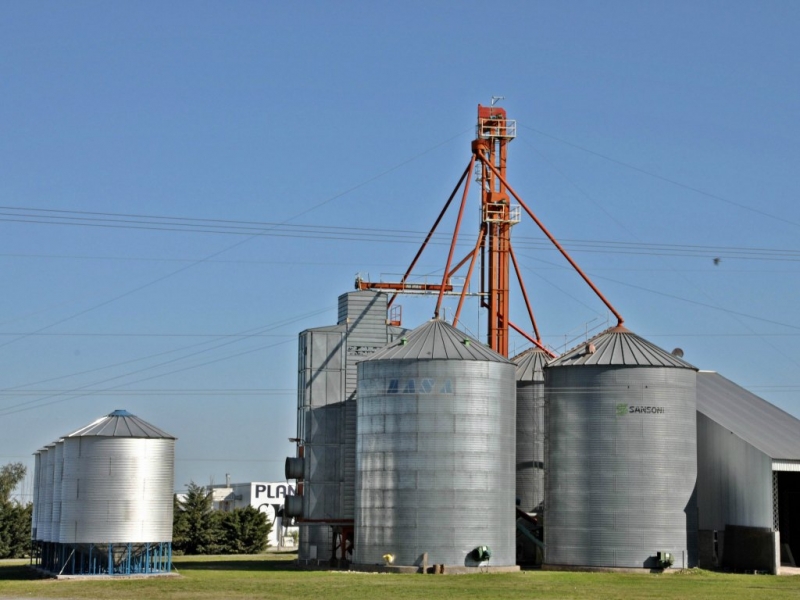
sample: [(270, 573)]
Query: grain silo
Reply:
[(326, 424), (435, 452), (116, 500), (621, 455), (530, 428), (37, 472), (58, 472), (46, 492)]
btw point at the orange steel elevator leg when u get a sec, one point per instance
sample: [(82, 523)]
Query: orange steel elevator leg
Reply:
[(489, 151), (490, 146)]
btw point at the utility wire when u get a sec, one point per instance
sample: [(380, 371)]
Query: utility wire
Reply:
[(149, 335), (703, 304), (54, 399), (662, 178), (696, 302), (236, 244), (243, 335), (166, 392), (382, 235), (663, 258)]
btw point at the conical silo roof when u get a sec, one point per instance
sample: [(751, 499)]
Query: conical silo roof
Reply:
[(530, 364), (619, 346), (122, 424), (434, 340)]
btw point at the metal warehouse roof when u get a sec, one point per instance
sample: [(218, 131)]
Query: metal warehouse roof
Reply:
[(530, 364), (619, 346), (122, 424), (437, 340), (762, 425)]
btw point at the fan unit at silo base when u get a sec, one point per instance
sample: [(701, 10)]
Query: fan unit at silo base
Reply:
[(105, 500)]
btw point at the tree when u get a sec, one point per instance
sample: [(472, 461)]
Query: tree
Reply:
[(246, 531), (196, 527), (180, 526), (15, 530), (15, 517), (10, 477)]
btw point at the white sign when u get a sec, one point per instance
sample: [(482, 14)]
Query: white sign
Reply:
[(268, 498)]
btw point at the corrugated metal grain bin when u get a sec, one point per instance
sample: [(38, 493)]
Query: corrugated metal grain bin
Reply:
[(620, 454), (530, 428), (435, 451), (37, 472), (46, 492), (58, 472), (326, 416), (117, 482)]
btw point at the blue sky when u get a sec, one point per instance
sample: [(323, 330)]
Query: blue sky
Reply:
[(652, 138)]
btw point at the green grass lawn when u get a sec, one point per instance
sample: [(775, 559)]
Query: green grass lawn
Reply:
[(274, 576)]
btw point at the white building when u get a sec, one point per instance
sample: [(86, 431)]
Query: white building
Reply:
[(265, 497)]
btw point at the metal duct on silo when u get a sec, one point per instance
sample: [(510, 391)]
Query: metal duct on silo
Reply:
[(530, 428), (620, 454), (293, 506), (294, 467), (117, 482), (435, 451)]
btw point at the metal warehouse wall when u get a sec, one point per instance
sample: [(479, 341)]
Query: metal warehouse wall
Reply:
[(734, 480)]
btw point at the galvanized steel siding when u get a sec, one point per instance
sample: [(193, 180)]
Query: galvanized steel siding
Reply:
[(327, 385), (58, 471), (327, 382), (620, 483), (117, 490), (437, 340), (619, 346), (435, 467), (321, 384), (734, 479), (529, 373), (364, 314), (323, 472), (121, 423), (530, 445), (46, 516), (349, 460), (764, 426), (321, 365), (37, 472)]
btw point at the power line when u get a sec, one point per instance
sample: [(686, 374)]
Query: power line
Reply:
[(673, 296), (29, 405), (696, 302), (150, 335), (160, 354), (163, 392), (237, 244), (182, 260), (665, 179), (664, 257), (399, 236)]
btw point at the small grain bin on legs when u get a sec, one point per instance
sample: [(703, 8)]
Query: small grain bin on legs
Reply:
[(116, 500)]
